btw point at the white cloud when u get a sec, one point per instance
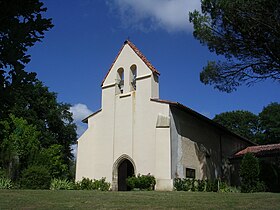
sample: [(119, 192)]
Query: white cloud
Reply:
[(146, 15), (80, 112)]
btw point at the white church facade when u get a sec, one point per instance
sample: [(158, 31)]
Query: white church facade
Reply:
[(135, 132)]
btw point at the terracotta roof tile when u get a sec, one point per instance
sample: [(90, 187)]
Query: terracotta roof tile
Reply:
[(139, 53), (260, 150)]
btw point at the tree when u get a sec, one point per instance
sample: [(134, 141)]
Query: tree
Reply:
[(247, 33), (244, 123), (31, 100), (52, 159), (249, 173), (270, 123), (21, 26), (263, 128), (22, 94), (20, 145)]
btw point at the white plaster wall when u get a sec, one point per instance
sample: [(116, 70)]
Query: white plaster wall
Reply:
[(127, 125)]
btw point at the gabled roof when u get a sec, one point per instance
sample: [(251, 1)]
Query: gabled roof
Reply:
[(86, 119), (139, 53), (201, 117), (261, 150)]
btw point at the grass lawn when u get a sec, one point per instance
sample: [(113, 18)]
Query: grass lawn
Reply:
[(71, 199)]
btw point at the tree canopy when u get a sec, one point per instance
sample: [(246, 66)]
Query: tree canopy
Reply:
[(241, 122), (270, 123), (21, 26), (246, 33), (263, 128), (35, 129)]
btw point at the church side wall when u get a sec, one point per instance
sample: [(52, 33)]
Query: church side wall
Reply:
[(201, 146)]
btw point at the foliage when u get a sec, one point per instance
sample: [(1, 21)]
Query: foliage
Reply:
[(249, 173), (212, 185), (142, 182), (61, 184), (89, 184), (225, 188), (36, 177), (201, 185), (52, 158), (29, 99), (25, 98), (20, 144), (246, 33), (241, 122), (182, 184), (187, 184), (263, 128), (270, 123), (21, 26), (270, 175), (5, 183)]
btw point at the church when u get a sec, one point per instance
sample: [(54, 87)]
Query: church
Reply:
[(136, 132)]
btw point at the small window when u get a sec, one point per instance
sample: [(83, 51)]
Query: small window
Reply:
[(133, 69), (190, 173), (120, 79)]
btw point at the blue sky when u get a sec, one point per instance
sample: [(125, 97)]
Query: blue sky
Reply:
[(76, 54)]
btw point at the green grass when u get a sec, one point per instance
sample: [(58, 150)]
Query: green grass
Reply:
[(70, 199)]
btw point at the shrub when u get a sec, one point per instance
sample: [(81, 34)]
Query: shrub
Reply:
[(61, 184), (270, 175), (3, 173), (224, 188), (102, 184), (132, 182), (35, 177), (86, 184), (5, 183), (249, 173), (196, 185), (89, 184), (212, 185), (201, 185), (143, 182), (182, 184)]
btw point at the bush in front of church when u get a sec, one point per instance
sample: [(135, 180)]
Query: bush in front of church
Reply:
[(141, 182), (89, 184), (249, 173)]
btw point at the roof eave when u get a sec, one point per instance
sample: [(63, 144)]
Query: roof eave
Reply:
[(138, 53)]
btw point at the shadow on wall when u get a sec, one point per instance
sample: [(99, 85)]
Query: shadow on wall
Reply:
[(207, 165)]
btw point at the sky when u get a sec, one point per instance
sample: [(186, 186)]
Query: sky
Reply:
[(77, 52)]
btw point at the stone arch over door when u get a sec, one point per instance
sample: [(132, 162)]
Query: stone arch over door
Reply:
[(123, 167)]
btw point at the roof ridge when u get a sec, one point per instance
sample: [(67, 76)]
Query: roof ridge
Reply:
[(178, 104), (140, 55), (258, 149)]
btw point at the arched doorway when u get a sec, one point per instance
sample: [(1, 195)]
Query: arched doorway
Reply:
[(125, 170)]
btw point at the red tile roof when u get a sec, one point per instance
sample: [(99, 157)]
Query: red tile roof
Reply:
[(260, 150), (139, 53)]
